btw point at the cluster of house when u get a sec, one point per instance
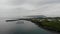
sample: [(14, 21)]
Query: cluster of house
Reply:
[(48, 19)]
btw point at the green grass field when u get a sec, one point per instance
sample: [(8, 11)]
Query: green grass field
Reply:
[(53, 24)]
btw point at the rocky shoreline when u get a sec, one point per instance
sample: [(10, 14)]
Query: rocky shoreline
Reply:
[(46, 27)]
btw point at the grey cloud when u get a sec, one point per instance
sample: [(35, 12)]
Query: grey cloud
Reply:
[(15, 2), (30, 7)]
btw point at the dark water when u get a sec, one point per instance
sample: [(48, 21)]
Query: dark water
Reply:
[(30, 28), (21, 28)]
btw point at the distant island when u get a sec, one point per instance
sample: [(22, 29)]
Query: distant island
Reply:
[(36, 16)]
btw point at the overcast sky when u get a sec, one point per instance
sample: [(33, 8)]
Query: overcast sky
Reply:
[(13, 8)]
